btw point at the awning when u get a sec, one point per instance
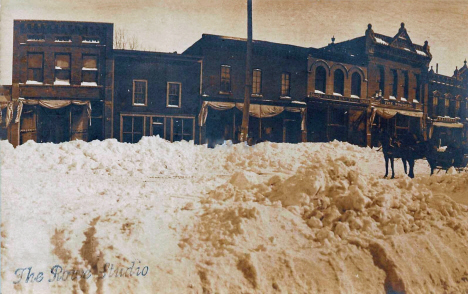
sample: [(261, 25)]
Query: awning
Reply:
[(447, 125), (389, 112), (51, 104), (255, 110)]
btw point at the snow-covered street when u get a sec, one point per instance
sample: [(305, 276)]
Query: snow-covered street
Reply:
[(160, 217)]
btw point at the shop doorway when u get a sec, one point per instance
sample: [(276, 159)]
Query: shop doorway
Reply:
[(53, 125)]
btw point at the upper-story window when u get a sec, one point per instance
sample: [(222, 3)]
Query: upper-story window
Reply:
[(140, 93), (418, 88), (174, 92), (356, 84), (89, 70), (406, 85), (338, 82), (320, 80), (382, 80), (395, 83), (285, 84), (257, 82), (225, 86), (35, 68), (62, 69)]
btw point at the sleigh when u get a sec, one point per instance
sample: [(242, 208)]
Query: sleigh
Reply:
[(443, 160)]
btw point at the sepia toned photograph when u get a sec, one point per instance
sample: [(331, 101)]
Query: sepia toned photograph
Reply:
[(234, 146)]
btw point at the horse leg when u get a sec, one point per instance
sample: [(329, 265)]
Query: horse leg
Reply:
[(393, 168), (386, 166), (404, 164), (411, 168)]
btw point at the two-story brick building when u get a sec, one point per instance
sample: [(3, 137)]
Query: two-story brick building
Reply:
[(156, 94), (62, 81), (279, 84)]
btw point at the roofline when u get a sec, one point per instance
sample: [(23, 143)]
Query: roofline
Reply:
[(63, 21), (140, 53), (245, 40)]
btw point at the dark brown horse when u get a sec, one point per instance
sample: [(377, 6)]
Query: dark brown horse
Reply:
[(409, 149)]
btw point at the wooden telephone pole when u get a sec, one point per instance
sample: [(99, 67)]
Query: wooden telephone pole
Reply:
[(248, 76)]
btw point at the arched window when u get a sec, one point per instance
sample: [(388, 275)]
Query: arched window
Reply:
[(356, 84), (320, 79), (338, 82)]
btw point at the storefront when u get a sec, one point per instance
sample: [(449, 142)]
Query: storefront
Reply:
[(444, 131), (54, 121), (339, 118), (222, 121)]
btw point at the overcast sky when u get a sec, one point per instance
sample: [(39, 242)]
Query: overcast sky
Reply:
[(173, 25)]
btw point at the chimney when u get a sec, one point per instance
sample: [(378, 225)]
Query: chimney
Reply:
[(437, 68)]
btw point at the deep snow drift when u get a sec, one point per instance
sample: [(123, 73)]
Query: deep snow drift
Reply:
[(165, 217)]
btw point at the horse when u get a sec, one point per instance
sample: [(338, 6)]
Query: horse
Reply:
[(391, 150), (409, 149)]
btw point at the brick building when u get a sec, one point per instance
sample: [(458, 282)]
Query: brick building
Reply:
[(62, 81), (448, 106), (69, 83), (360, 86), (279, 87), (156, 94)]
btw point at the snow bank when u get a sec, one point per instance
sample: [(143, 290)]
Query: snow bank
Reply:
[(235, 219)]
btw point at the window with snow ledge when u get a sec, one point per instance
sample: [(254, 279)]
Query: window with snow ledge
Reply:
[(63, 39), (337, 94), (90, 40), (62, 69), (355, 96), (174, 93), (392, 98), (140, 92), (403, 99), (89, 70), (89, 84), (318, 92)]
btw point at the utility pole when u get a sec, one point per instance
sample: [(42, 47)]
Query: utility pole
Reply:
[(248, 76)]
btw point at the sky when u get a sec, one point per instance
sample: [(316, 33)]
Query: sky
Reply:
[(173, 25)]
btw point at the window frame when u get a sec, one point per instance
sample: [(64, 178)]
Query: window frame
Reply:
[(132, 116), (223, 90), (167, 95), (284, 84), (146, 93), (182, 118), (35, 68), (62, 69), (256, 81), (88, 69)]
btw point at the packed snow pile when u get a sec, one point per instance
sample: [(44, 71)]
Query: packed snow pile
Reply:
[(160, 217)]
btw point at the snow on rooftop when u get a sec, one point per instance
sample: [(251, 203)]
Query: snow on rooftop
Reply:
[(422, 53), (380, 41)]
